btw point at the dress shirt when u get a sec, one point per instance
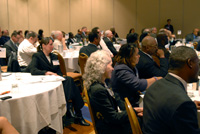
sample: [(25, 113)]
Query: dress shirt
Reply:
[(25, 52), (56, 43)]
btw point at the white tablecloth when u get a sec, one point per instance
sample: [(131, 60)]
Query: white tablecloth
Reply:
[(39, 101), (71, 60)]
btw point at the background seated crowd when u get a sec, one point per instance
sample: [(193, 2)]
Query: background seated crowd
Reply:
[(144, 65)]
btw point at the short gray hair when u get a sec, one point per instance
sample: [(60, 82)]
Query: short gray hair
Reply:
[(57, 33), (95, 67), (179, 56), (31, 34), (107, 32)]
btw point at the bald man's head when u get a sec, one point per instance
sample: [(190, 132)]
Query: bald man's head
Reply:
[(149, 45)]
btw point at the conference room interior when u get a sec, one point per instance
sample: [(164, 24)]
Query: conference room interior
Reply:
[(71, 15)]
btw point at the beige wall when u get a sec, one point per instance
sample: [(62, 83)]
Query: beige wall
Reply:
[(69, 15)]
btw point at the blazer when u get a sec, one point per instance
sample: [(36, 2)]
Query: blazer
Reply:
[(40, 64), (88, 49), (168, 109), (110, 45), (125, 83), (10, 47), (147, 68), (189, 37), (107, 117)]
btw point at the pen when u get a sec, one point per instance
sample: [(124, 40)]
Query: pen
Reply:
[(6, 92)]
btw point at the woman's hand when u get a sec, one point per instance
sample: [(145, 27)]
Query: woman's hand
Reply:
[(51, 73)]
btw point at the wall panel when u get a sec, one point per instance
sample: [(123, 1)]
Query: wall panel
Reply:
[(59, 15), (18, 15), (147, 14), (172, 9), (4, 15), (80, 14), (102, 14), (124, 16), (191, 17)]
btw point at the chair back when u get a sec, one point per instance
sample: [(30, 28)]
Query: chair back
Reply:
[(82, 61), (61, 61), (195, 44), (13, 64), (90, 109), (135, 126)]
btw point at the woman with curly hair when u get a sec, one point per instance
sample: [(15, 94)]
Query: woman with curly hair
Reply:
[(109, 117)]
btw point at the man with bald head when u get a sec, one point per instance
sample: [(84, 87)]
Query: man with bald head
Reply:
[(147, 68), (192, 36)]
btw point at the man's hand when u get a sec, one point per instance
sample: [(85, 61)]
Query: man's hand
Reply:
[(139, 111), (161, 53)]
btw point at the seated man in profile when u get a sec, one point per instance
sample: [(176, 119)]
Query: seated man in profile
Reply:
[(92, 47), (167, 107), (26, 49), (146, 66)]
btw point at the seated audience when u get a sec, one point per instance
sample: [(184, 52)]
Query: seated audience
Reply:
[(92, 47), (146, 66), (12, 44), (109, 117), (6, 127), (125, 79), (115, 35), (78, 36), (46, 63), (84, 32), (40, 34), (167, 107), (153, 32), (107, 39), (26, 49), (20, 32), (58, 42), (71, 39), (4, 38), (190, 37), (133, 38), (162, 41), (101, 43)]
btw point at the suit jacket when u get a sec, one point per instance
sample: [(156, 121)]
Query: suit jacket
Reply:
[(189, 37), (9, 48), (125, 83), (170, 28), (168, 109), (147, 68), (107, 117), (110, 45), (78, 37), (88, 49), (40, 65)]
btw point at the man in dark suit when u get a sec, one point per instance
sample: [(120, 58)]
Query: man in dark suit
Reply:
[(167, 107), (192, 36), (12, 44), (4, 38), (168, 26), (107, 40), (78, 36), (92, 47), (146, 66)]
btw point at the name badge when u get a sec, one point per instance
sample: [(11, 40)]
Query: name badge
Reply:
[(56, 62)]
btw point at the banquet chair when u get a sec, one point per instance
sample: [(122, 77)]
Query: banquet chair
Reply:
[(195, 44), (4, 68), (75, 76), (90, 109), (135, 126), (82, 61), (13, 64)]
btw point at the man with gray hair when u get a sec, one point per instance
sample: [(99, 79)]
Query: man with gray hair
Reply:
[(146, 66), (58, 43), (26, 49), (107, 39), (167, 107), (12, 44)]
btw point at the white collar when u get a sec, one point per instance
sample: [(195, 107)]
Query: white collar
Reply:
[(180, 79)]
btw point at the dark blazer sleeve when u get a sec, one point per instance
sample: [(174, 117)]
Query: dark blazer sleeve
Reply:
[(126, 76), (111, 47), (185, 119), (103, 105), (34, 66)]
